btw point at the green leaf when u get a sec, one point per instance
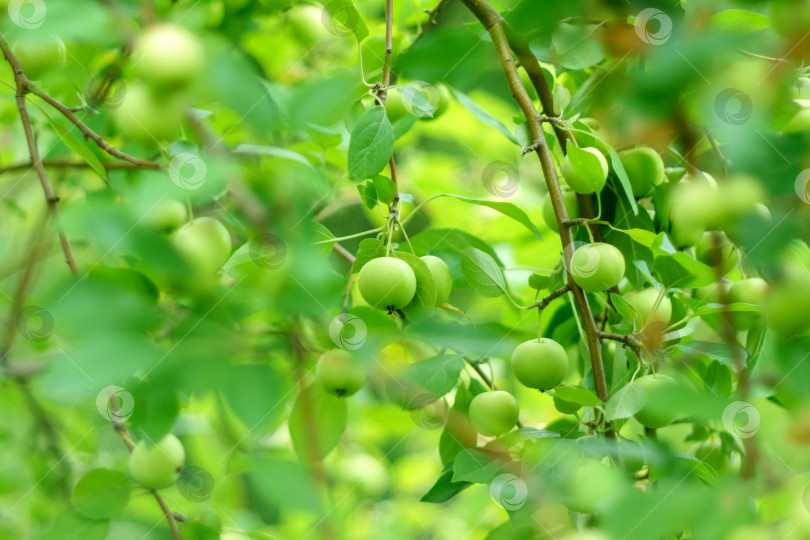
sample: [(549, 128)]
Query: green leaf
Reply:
[(317, 423), (478, 112), (370, 248), (371, 144), (71, 525), (739, 21), (101, 493), (444, 489), (272, 151), (346, 17), (424, 301), (588, 167), (437, 375), (255, 393), (621, 174), (625, 403), (575, 46), (482, 273), (680, 270), (472, 465), (385, 188), (81, 148), (283, 483), (716, 351), (505, 208), (624, 309), (644, 237), (578, 394)]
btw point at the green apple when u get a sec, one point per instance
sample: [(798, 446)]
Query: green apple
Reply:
[(444, 97), (494, 413), (205, 244), (729, 254), (571, 206), (711, 453), (395, 106), (644, 302), (157, 466), (590, 485), (387, 282), (786, 306), (644, 168), (597, 267), (441, 275), (694, 205), (658, 411), (577, 182), (168, 56), (747, 291), (39, 53), (148, 116), (168, 215), (710, 293), (540, 363), (340, 373)]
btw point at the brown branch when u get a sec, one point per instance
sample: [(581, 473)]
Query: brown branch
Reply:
[(492, 22), (22, 83), (628, 340), (343, 252), (542, 304), (67, 163)]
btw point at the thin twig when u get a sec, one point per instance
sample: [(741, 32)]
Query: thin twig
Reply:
[(22, 83), (67, 163), (628, 340), (542, 304)]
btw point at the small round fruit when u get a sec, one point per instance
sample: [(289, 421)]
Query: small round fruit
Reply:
[(168, 215), (644, 168), (157, 466), (644, 302), (441, 276), (685, 229), (571, 206), (579, 184), (658, 411), (494, 413), (747, 291), (395, 106), (168, 55), (387, 282), (540, 363), (340, 373), (444, 97), (711, 453), (597, 267), (147, 116), (704, 251), (786, 306), (205, 244), (39, 54)]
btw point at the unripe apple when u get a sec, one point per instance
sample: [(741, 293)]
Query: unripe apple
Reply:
[(444, 99), (168, 215), (747, 291), (168, 56), (786, 306), (157, 466), (644, 168), (571, 206), (696, 205), (39, 53), (729, 254), (579, 184), (540, 363), (148, 116), (658, 411), (685, 229), (597, 267), (494, 413), (644, 302), (395, 106), (340, 373), (710, 293), (711, 453), (205, 244), (441, 275), (591, 484), (387, 282)]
